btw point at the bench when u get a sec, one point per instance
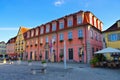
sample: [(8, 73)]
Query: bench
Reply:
[(41, 69)]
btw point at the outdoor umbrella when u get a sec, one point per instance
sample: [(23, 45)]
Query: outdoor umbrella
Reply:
[(108, 50)]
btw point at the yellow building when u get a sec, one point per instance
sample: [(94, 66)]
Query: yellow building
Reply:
[(112, 36), (20, 42)]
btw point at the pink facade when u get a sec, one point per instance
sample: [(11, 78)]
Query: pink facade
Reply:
[(81, 31), (10, 48)]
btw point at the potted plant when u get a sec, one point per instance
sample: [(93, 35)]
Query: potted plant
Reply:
[(44, 63), (61, 56), (93, 61)]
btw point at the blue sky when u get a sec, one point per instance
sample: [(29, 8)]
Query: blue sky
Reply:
[(31, 13)]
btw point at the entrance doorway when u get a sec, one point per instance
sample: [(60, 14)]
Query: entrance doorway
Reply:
[(30, 55), (70, 51), (46, 55)]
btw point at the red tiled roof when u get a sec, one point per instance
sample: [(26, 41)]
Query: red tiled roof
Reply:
[(114, 27)]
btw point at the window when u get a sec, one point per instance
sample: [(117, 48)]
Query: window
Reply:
[(61, 36), (47, 40), (41, 40), (112, 37), (80, 33), (96, 36), (32, 34), (79, 19), (70, 35), (42, 29), (54, 27), (54, 38), (47, 28), (91, 34), (36, 32), (61, 25), (70, 22), (118, 36), (28, 34)]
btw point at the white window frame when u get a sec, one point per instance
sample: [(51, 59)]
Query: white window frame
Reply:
[(32, 34), (54, 27), (91, 34), (47, 40), (80, 32), (70, 23), (70, 35), (36, 32), (61, 25), (79, 19), (54, 38), (47, 28), (28, 34), (61, 36), (41, 30)]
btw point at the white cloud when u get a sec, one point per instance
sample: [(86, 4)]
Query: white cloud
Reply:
[(58, 2), (8, 29)]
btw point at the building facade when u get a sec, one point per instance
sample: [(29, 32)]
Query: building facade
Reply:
[(112, 36), (10, 48), (20, 42), (2, 50), (80, 31)]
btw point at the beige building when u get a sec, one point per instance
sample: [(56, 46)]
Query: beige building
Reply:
[(20, 42)]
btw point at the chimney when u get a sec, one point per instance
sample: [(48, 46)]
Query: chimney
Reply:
[(118, 23)]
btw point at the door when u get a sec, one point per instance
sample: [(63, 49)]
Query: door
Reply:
[(70, 51), (46, 54), (30, 55)]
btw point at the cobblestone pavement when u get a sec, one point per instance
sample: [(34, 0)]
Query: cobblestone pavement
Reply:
[(56, 71)]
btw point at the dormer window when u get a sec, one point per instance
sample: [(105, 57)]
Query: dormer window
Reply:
[(42, 30), (70, 22), (36, 32), (61, 25), (32, 34), (47, 28), (28, 34), (54, 27), (79, 19)]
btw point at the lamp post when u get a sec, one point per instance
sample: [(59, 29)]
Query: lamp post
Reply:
[(65, 66)]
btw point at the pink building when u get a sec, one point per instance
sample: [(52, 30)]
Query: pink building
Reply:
[(10, 48), (81, 31)]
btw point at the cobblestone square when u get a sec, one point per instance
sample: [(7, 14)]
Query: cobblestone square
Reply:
[(56, 71)]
